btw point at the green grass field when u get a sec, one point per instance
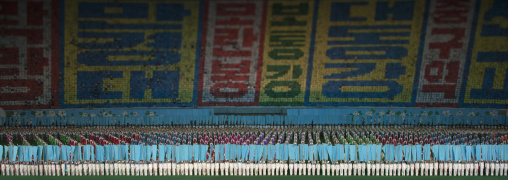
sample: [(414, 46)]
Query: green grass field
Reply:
[(254, 177)]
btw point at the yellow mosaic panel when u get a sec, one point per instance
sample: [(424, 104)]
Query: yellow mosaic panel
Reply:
[(286, 52), (487, 80), (130, 53), (366, 52)]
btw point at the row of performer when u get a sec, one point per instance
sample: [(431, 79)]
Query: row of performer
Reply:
[(257, 153), (380, 118), (255, 150), (270, 168)]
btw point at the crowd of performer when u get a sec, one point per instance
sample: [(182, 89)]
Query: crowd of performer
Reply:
[(332, 150)]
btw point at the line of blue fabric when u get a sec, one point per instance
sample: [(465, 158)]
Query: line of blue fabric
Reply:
[(293, 152)]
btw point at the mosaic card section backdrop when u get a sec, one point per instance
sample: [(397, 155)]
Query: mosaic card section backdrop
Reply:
[(187, 53)]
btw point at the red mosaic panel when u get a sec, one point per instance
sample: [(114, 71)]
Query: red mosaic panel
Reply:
[(28, 54)]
